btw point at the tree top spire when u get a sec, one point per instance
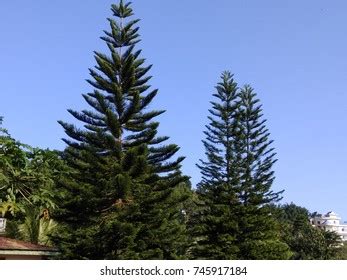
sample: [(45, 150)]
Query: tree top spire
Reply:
[(122, 10)]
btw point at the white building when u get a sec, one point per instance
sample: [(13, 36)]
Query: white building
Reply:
[(331, 222)]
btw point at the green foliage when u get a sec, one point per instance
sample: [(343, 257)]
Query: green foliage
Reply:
[(37, 226), (305, 241), (27, 186), (125, 189), (214, 225), (117, 191), (342, 252), (235, 220), (26, 176)]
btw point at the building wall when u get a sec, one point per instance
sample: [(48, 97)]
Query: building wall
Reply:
[(331, 222)]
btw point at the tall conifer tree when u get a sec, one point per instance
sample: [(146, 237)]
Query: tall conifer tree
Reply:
[(237, 175), (258, 236), (125, 199), (216, 230)]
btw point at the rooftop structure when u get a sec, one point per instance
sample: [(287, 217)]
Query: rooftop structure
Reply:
[(12, 249), (331, 222)]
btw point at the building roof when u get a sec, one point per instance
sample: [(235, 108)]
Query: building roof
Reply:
[(8, 244)]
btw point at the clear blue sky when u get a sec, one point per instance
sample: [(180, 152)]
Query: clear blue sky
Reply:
[(294, 53)]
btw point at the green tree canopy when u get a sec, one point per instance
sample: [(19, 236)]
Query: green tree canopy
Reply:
[(28, 179), (305, 241)]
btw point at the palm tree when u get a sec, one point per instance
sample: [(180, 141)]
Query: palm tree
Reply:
[(37, 225)]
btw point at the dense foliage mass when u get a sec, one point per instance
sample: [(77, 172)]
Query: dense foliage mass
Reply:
[(305, 241), (28, 178), (117, 191)]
